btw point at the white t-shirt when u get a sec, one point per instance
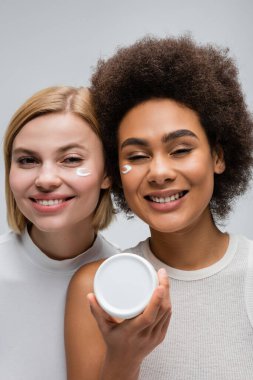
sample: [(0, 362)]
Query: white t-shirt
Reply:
[(32, 300), (210, 336)]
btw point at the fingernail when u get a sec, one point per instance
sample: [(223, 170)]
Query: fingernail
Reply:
[(163, 272), (89, 297)]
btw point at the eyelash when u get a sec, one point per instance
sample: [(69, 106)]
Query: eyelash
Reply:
[(177, 152), (72, 160), (27, 161), (137, 157), (181, 151), (32, 161)]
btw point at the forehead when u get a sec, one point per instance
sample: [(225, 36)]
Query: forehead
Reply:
[(159, 116), (55, 130)]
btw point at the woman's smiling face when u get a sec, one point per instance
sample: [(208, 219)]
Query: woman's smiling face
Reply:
[(57, 171), (167, 167)]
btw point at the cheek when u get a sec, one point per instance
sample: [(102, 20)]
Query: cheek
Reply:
[(200, 175), (130, 177), (92, 170), (19, 181), (132, 182), (83, 172), (12, 180), (88, 182), (199, 170), (125, 169)]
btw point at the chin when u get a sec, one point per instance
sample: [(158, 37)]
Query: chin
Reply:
[(167, 227), (164, 229), (49, 227)]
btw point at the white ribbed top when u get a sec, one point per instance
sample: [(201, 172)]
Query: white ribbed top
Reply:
[(210, 336), (32, 301)]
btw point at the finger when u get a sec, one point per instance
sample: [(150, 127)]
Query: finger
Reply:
[(163, 277), (160, 306), (103, 319), (148, 317), (165, 307), (164, 313), (165, 323), (164, 282), (158, 333), (162, 326)]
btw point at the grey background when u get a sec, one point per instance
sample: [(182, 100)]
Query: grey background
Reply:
[(55, 42)]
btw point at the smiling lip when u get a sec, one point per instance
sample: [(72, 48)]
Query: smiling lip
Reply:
[(165, 201), (50, 203)]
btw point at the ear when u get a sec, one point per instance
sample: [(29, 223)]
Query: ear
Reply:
[(218, 160), (106, 183)]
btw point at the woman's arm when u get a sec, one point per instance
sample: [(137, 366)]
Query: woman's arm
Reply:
[(108, 350), (84, 344)]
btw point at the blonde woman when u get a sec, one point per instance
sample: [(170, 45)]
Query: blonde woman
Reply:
[(58, 197)]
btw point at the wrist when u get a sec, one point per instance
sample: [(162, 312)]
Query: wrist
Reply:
[(119, 368)]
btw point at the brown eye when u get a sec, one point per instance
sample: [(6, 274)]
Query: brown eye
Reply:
[(72, 160), (27, 161)]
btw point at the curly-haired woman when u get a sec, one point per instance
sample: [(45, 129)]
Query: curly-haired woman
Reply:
[(179, 139)]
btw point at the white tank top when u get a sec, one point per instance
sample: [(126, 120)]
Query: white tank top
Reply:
[(210, 336)]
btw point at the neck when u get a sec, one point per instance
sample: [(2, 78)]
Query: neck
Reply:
[(196, 248), (67, 244)]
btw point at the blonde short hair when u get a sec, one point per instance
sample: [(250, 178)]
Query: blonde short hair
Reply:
[(52, 100)]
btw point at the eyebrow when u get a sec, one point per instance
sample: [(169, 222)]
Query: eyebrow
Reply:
[(23, 151), (177, 134), (165, 139), (60, 150), (134, 141)]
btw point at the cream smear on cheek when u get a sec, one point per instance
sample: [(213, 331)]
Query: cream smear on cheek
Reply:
[(126, 169), (82, 172)]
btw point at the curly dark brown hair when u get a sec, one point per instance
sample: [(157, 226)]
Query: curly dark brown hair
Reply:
[(203, 78)]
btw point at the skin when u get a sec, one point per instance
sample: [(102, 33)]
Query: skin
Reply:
[(169, 152), (45, 156), (170, 187), (112, 350)]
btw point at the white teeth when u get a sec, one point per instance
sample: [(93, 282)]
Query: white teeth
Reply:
[(167, 199), (50, 202)]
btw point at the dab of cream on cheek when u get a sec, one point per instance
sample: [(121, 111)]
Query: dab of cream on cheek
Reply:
[(83, 172), (126, 169)]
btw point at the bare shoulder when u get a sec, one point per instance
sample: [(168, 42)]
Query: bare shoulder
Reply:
[(84, 277)]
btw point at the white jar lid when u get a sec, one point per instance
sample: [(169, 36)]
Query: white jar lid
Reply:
[(124, 284)]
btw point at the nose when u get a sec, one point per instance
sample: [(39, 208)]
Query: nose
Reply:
[(161, 170), (47, 178)]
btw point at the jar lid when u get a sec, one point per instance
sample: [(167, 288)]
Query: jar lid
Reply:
[(124, 284)]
